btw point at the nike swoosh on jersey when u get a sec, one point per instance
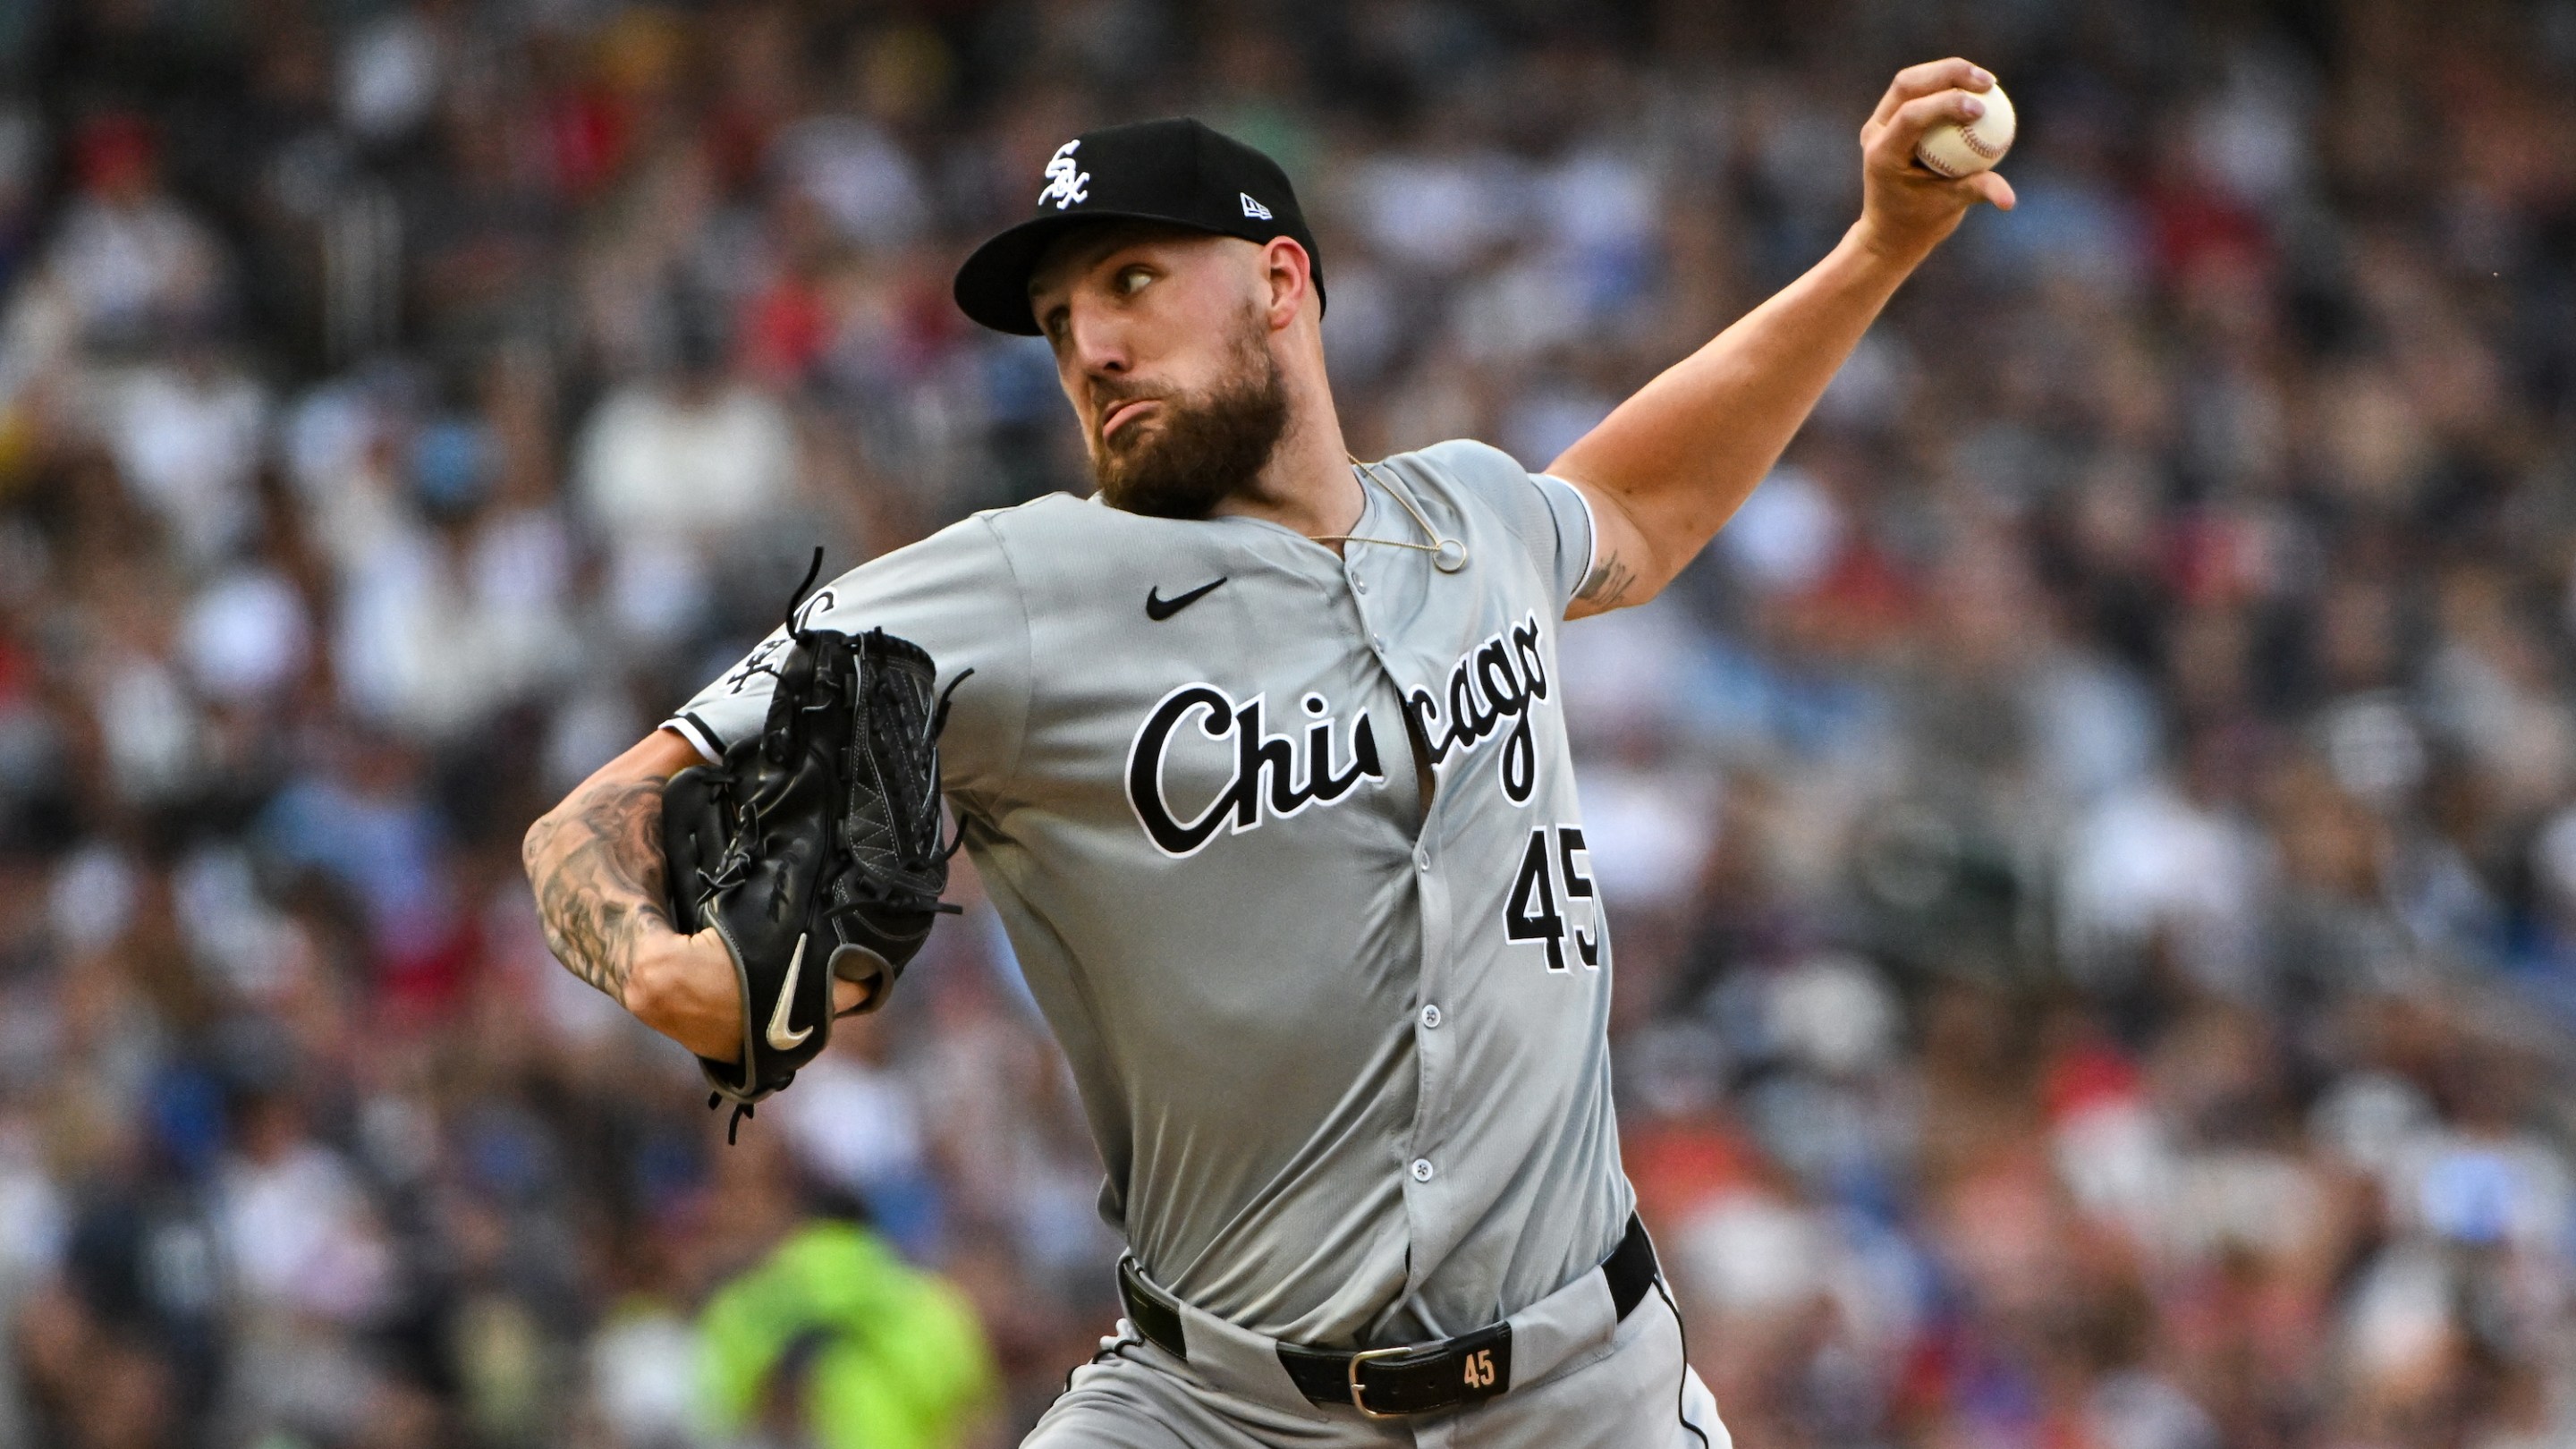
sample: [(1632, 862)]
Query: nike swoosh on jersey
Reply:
[(1158, 608), (780, 1037)]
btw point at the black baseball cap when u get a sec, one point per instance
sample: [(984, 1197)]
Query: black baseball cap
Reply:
[(1177, 171)]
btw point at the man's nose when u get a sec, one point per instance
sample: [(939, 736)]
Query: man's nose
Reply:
[(1099, 342)]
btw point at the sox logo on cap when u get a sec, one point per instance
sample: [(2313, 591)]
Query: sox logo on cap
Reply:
[(1065, 184)]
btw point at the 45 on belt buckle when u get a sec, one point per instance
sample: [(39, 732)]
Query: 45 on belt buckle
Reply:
[(1479, 1375)]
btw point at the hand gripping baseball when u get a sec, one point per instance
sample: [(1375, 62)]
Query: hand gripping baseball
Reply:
[(814, 850), (1906, 208)]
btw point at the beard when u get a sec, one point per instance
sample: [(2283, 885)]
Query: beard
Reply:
[(1206, 446)]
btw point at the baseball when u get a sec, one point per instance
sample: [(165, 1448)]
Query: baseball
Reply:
[(1953, 150)]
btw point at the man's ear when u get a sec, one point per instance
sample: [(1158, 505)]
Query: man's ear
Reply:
[(1291, 277)]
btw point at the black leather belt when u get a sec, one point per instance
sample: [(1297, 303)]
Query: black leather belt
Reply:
[(1388, 1383)]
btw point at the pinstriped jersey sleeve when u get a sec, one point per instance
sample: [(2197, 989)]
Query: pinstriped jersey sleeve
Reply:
[(955, 595), (1546, 513)]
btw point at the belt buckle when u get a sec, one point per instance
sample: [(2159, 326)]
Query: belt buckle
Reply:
[(1359, 1395)]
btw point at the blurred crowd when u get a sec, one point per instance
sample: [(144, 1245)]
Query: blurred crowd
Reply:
[(2093, 844)]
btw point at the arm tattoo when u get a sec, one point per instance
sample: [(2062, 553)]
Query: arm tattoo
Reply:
[(1608, 583), (597, 868)]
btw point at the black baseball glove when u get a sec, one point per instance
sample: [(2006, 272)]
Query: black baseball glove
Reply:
[(814, 850)]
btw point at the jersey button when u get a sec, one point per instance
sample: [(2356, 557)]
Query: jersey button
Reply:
[(1358, 585), (1422, 1169), (1422, 860), (1378, 642), (1431, 1016)]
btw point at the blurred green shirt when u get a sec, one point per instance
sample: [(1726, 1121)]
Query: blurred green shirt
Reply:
[(897, 1359)]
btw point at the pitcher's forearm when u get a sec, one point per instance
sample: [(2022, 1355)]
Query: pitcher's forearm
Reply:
[(596, 864), (1732, 407), (1679, 457)]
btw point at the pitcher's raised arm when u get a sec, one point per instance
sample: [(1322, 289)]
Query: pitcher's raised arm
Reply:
[(1667, 469)]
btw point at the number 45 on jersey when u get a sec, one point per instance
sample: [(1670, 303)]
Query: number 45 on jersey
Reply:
[(1549, 872)]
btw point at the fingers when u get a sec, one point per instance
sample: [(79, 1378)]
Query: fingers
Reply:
[(1905, 129), (1986, 186), (1929, 78)]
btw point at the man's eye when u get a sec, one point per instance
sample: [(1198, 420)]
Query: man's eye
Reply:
[(1133, 280)]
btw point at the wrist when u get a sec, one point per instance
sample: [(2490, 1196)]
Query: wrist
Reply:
[(684, 988), (1872, 246)]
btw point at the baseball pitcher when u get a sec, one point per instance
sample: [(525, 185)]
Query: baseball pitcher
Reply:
[(1260, 752)]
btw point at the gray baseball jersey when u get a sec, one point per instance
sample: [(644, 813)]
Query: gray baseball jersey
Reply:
[(1346, 1062)]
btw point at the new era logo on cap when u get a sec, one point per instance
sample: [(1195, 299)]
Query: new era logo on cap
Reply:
[(1252, 207)]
